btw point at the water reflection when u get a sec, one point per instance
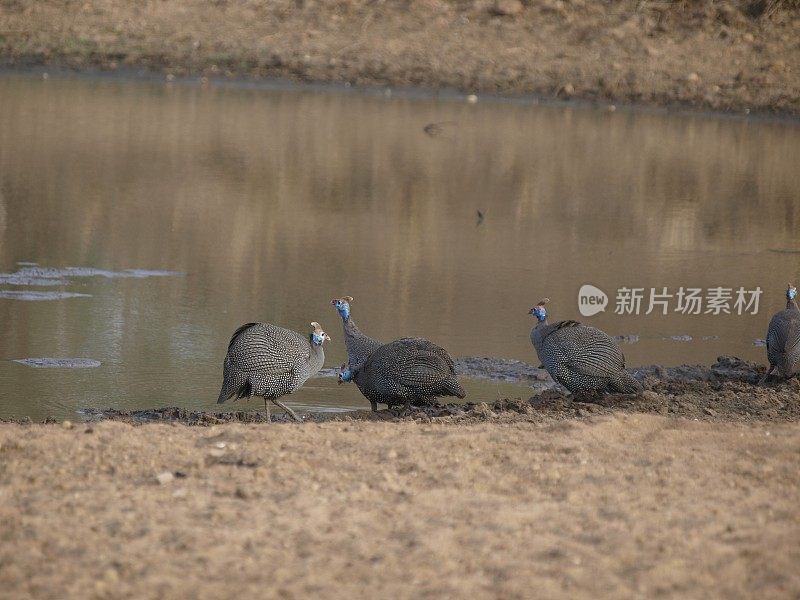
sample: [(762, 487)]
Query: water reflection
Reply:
[(275, 202)]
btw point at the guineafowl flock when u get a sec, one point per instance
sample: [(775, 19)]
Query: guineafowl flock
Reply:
[(269, 361)]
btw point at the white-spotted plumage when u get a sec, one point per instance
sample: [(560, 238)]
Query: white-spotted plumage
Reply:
[(359, 346), (270, 361), (405, 371), (583, 359), (783, 338)]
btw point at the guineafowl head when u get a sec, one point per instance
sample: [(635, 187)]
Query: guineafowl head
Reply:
[(343, 306), (345, 375), (318, 337), (539, 311), (791, 292)]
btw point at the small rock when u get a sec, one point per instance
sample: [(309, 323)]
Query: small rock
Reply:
[(748, 37), (506, 8), (693, 78), (180, 493), (170, 77), (710, 412), (165, 477), (217, 452), (472, 99), (67, 425)]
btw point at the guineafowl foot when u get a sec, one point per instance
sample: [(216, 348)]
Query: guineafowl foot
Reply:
[(374, 406), (266, 407), (288, 410)]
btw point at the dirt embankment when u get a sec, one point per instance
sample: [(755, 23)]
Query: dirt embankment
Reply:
[(740, 55), (728, 390)]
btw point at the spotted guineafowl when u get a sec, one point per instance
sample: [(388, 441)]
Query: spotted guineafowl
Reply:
[(581, 358), (359, 346), (270, 361), (406, 370), (783, 338)]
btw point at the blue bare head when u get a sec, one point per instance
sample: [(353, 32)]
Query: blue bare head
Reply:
[(791, 292), (343, 306), (345, 375), (539, 311), (318, 337)]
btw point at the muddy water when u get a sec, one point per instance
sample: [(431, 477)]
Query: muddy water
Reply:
[(267, 203)]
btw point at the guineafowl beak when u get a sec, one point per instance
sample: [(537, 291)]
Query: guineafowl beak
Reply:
[(532, 311)]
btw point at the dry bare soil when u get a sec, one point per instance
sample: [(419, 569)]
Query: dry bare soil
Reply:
[(738, 55), (602, 506)]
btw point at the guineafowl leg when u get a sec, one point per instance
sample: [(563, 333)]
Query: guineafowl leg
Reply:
[(287, 409), (374, 406), (767, 374), (266, 407)]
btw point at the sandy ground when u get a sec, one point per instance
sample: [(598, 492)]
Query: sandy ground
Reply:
[(740, 55), (609, 506)]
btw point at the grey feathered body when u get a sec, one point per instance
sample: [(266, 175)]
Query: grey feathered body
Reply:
[(783, 339), (266, 360), (359, 346), (582, 358), (405, 371)]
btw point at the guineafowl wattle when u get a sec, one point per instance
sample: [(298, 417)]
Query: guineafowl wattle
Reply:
[(405, 371), (783, 338), (581, 358), (359, 346), (270, 361)]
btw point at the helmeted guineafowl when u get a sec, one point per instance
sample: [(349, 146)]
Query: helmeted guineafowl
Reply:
[(405, 370), (359, 346), (270, 361), (581, 358), (783, 338)]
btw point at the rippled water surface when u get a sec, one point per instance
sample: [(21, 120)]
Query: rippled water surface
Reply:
[(265, 204)]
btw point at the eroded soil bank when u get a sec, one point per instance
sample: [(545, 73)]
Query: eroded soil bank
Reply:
[(742, 55), (728, 390)]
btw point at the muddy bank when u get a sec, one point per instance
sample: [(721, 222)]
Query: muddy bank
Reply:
[(739, 56), (724, 391)]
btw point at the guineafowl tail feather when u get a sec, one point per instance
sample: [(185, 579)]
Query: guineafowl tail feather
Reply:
[(243, 391), (453, 388), (627, 384)]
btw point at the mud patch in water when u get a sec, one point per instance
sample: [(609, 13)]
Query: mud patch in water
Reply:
[(15, 279), (37, 272), (37, 296), (59, 363)]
